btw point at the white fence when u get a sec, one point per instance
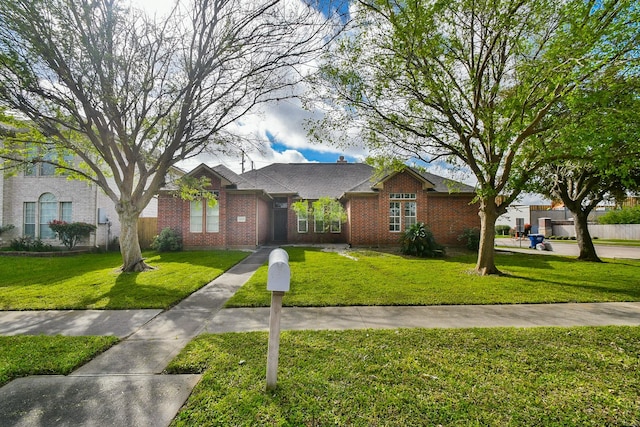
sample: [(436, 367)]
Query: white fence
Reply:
[(602, 231)]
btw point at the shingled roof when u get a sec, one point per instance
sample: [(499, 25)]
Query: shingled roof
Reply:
[(314, 180), (309, 180)]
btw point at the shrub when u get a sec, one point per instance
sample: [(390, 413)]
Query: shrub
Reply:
[(621, 216), (70, 233), (167, 241), (471, 238), (503, 230), (418, 241), (28, 244)]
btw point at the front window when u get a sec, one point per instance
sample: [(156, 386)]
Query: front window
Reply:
[(195, 216), (213, 217), (318, 222), (303, 223), (48, 212), (409, 214), (394, 216), (203, 216)]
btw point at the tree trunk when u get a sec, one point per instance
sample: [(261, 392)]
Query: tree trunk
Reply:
[(132, 260), (486, 253), (587, 250)]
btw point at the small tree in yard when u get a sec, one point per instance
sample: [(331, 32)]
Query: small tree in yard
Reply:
[(70, 233), (418, 241)]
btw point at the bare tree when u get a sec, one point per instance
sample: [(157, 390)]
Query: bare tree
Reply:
[(133, 95)]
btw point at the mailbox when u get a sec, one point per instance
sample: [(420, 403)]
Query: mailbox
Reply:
[(279, 273)]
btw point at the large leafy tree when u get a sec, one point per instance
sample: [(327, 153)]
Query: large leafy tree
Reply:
[(131, 95), (602, 140), (472, 82)]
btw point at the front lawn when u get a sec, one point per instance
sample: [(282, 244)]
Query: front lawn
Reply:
[(499, 377), (376, 278), (92, 281), (21, 356)]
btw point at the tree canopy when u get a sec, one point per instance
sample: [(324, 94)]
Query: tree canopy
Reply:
[(471, 82), (131, 94), (601, 139)]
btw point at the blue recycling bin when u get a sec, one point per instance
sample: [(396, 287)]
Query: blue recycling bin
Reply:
[(534, 239)]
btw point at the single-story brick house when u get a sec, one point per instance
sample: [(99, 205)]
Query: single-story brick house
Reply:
[(254, 208)]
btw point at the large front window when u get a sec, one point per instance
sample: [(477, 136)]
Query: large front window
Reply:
[(402, 211), (204, 216)]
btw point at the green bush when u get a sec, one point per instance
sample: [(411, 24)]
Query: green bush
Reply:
[(70, 233), (28, 244), (167, 241), (418, 241), (621, 216), (502, 230), (471, 238)]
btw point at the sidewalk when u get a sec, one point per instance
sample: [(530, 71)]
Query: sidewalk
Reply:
[(124, 385)]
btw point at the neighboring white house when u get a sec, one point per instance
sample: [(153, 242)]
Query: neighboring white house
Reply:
[(35, 196)]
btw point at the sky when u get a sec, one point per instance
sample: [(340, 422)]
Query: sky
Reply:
[(278, 135)]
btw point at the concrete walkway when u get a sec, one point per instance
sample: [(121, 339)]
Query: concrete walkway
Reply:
[(124, 385)]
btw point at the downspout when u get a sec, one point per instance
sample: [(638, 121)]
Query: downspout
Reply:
[(257, 221), (95, 216)]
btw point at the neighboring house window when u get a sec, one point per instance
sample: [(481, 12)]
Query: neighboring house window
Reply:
[(47, 169), (336, 227), (394, 216), (409, 214), (29, 219), (303, 223), (43, 168), (65, 211), (213, 217), (195, 216), (48, 208), (318, 222)]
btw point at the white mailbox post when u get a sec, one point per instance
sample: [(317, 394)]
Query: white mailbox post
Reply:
[(278, 279)]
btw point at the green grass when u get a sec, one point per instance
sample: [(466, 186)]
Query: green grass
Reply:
[(21, 356), (501, 377), (376, 278), (92, 281)]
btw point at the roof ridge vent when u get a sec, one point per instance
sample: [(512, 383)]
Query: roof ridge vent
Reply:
[(342, 160)]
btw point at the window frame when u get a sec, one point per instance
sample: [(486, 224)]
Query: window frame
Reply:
[(27, 215), (410, 220), (395, 221), (302, 219)]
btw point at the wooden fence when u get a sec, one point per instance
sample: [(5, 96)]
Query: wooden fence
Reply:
[(147, 230)]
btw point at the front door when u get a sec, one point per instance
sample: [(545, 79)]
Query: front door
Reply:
[(280, 215)]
